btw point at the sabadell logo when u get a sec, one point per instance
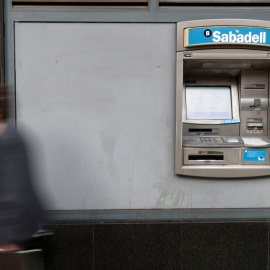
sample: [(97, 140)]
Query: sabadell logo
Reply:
[(236, 37)]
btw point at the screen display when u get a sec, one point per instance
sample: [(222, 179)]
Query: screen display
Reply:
[(208, 102)]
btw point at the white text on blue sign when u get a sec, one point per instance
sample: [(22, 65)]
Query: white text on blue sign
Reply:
[(227, 35)]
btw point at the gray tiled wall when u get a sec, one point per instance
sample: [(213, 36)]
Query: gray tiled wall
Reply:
[(159, 245)]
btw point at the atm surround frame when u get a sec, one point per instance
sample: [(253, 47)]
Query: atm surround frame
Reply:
[(249, 53)]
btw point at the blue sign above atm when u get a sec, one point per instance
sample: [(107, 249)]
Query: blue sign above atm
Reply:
[(223, 35)]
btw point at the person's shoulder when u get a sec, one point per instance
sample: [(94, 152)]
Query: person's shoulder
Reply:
[(11, 135)]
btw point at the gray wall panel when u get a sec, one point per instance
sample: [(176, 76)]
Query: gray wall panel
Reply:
[(101, 100)]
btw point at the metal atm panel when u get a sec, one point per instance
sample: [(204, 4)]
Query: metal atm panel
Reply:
[(211, 141)]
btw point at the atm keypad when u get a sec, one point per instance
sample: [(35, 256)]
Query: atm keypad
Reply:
[(211, 140)]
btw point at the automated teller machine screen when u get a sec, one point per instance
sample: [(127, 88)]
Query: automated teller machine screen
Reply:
[(222, 102), (208, 102)]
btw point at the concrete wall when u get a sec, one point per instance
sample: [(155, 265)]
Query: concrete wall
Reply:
[(100, 101)]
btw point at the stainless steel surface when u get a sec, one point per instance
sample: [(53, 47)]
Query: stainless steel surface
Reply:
[(250, 68), (206, 156), (247, 103), (226, 130)]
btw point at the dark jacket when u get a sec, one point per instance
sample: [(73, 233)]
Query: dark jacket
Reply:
[(20, 209)]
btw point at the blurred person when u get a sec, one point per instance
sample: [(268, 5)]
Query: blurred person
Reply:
[(20, 209)]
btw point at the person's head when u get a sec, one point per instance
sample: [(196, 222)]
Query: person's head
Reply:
[(3, 102)]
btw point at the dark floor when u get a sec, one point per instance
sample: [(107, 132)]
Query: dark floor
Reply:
[(159, 245)]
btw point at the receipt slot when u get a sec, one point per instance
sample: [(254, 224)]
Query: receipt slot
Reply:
[(222, 98)]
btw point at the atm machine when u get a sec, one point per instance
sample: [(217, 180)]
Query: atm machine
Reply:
[(222, 98)]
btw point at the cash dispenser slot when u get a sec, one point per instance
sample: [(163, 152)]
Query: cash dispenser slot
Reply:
[(205, 156)]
